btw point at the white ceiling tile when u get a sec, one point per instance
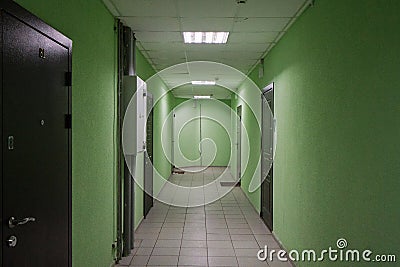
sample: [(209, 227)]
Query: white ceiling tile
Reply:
[(163, 45), (205, 48), (250, 47), (245, 38), (241, 55), (189, 90), (146, 8), (236, 61), (166, 54), (176, 71), (197, 53), (206, 68), (207, 8), (158, 25), (204, 58), (270, 8), (207, 24), (166, 50), (144, 37), (150, 24), (168, 61), (260, 25)]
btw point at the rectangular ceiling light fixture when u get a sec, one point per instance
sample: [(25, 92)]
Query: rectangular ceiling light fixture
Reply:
[(203, 82), (202, 97), (205, 37)]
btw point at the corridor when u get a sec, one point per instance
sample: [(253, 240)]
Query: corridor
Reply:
[(127, 123), (228, 232)]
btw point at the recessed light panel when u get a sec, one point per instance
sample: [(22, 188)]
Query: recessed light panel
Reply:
[(203, 82), (205, 37)]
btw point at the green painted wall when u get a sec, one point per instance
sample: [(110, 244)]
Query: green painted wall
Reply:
[(162, 139), (251, 138), (90, 26), (216, 126), (337, 107)]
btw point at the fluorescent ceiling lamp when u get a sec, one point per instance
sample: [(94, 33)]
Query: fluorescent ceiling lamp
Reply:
[(205, 37), (202, 97), (203, 82)]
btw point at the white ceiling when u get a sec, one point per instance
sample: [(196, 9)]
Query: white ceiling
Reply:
[(158, 25), (188, 91)]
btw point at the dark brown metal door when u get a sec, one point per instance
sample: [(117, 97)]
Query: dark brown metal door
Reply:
[(35, 147), (267, 156), (148, 158)]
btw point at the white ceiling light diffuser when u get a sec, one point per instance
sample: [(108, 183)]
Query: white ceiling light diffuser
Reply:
[(203, 82), (205, 37)]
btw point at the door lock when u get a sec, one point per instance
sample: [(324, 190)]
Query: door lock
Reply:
[(12, 241), (10, 142)]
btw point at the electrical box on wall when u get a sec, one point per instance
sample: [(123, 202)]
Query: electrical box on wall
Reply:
[(134, 130), (141, 114)]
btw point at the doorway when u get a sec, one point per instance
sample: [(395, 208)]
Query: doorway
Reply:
[(187, 135), (200, 138), (239, 144), (148, 158), (36, 133), (267, 143)]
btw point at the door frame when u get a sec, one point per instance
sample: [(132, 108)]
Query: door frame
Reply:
[(15, 10), (270, 87), (148, 199), (176, 154), (239, 112)]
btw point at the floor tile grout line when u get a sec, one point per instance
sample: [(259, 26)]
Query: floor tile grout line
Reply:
[(233, 200), (162, 226), (230, 236)]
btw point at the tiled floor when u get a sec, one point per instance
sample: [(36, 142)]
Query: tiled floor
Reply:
[(228, 232), (196, 186)]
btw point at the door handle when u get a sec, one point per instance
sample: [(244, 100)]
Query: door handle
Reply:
[(12, 222)]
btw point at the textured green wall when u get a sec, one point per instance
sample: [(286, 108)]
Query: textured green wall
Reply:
[(90, 26), (251, 138), (162, 138), (215, 126), (337, 107)]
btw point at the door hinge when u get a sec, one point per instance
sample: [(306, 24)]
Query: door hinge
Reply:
[(68, 121), (68, 78)]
